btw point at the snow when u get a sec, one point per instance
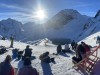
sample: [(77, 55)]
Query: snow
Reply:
[(63, 63), (91, 40)]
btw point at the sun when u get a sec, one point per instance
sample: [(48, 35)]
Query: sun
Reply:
[(40, 14)]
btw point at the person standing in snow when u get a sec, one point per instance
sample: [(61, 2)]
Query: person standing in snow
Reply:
[(72, 44), (12, 40), (5, 67), (27, 69)]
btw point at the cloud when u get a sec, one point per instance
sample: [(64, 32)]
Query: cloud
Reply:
[(21, 14), (23, 17), (26, 14), (14, 13), (14, 7)]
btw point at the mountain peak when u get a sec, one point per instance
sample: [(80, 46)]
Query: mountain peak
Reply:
[(9, 19), (63, 17), (69, 10), (97, 14)]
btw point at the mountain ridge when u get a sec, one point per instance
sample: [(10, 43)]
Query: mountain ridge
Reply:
[(67, 23)]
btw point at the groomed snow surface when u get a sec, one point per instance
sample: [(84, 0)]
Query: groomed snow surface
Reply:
[(63, 62)]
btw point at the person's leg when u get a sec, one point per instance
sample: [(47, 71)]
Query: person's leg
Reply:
[(64, 51), (11, 44), (72, 47), (58, 51), (74, 60)]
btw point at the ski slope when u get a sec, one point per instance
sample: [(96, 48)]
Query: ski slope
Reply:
[(63, 62)]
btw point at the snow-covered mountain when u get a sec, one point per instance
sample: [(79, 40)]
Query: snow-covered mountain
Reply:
[(70, 24), (10, 26), (92, 26), (66, 24), (62, 18), (23, 32)]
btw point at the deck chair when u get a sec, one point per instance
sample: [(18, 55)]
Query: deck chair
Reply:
[(89, 61)]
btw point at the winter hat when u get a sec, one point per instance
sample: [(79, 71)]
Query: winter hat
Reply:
[(27, 61), (27, 46), (8, 58), (46, 53), (83, 43)]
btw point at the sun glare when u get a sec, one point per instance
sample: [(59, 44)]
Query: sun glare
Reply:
[(40, 14)]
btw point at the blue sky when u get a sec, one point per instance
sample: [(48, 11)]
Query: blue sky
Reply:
[(23, 10)]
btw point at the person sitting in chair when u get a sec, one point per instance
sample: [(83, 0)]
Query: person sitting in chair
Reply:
[(80, 54)]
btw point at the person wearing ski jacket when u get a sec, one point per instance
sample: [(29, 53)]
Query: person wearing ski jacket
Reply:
[(27, 69), (67, 47), (59, 48), (28, 51), (5, 67), (86, 47)]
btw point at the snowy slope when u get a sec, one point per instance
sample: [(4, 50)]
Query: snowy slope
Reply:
[(93, 26), (91, 40), (60, 68), (63, 65)]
